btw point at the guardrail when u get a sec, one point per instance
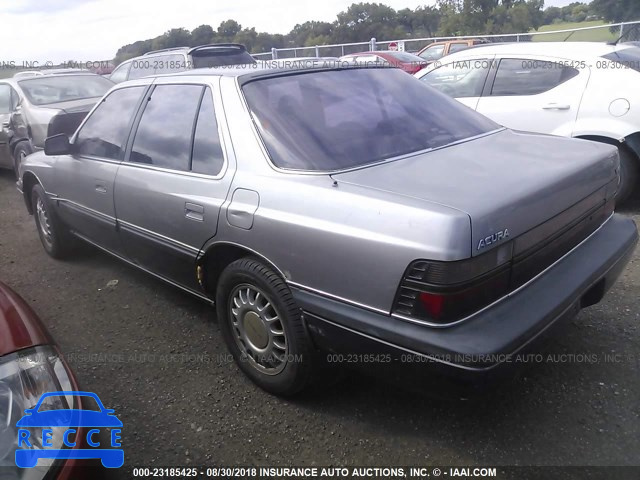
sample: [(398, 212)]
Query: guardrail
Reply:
[(415, 44)]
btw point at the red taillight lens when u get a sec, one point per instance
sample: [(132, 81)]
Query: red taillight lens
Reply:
[(432, 304), (448, 304)]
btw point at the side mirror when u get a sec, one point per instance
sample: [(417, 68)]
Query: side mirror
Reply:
[(57, 145)]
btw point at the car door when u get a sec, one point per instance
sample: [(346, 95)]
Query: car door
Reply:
[(8, 100), (84, 181), (535, 94), (463, 80), (170, 190)]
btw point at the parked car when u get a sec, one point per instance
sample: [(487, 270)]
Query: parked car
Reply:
[(351, 209), (179, 59), (573, 89), (436, 50), (405, 61), (31, 365), (33, 108)]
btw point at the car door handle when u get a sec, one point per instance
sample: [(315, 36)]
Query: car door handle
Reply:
[(193, 211), (556, 106), (100, 188)]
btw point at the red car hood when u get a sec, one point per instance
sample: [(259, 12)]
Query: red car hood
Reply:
[(19, 326)]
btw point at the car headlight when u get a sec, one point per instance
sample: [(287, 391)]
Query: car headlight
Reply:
[(24, 377)]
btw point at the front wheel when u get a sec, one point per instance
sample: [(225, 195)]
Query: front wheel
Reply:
[(262, 327), (55, 238)]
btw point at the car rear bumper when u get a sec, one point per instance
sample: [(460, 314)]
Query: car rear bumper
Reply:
[(493, 336)]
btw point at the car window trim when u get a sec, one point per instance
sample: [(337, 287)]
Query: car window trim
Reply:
[(190, 173), (74, 137)]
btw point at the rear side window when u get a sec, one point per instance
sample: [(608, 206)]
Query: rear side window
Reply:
[(120, 73), (141, 67), (105, 132), (457, 47), (625, 58), (163, 138), (433, 53), (517, 76), (460, 79), (169, 63)]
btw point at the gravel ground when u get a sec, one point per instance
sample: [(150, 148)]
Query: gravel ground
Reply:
[(155, 355)]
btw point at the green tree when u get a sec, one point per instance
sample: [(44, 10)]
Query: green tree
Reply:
[(617, 10), (227, 30), (202, 35)]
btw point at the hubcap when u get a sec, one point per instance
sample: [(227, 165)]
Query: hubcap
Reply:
[(43, 221), (258, 330)]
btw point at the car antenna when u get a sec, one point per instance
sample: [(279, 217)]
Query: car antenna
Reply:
[(624, 34), (567, 37)]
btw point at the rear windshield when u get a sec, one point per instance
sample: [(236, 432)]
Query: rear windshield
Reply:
[(340, 119), (220, 57), (46, 90), (626, 58)]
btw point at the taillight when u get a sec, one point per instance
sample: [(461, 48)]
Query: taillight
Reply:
[(437, 292), (445, 292)]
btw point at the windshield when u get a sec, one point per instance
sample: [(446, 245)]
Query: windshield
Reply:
[(341, 119), (46, 90), (626, 58)]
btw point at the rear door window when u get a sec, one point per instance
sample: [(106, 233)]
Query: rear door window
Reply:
[(519, 76), (105, 132), (163, 137)]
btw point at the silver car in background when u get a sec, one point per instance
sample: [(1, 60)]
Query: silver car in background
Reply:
[(179, 59), (37, 106), (351, 210)]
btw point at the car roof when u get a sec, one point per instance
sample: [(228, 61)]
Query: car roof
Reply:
[(562, 49)]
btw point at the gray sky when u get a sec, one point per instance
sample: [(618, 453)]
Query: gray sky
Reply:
[(84, 30)]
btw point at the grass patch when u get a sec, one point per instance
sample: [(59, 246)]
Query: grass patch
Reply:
[(597, 35)]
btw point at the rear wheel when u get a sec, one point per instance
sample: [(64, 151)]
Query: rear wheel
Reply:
[(629, 167), (55, 238), (20, 153), (262, 327)]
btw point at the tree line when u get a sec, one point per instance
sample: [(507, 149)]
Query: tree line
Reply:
[(362, 21)]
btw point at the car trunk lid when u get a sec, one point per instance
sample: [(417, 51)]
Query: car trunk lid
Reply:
[(507, 182)]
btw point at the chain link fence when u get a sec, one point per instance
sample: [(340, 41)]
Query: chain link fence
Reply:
[(631, 31)]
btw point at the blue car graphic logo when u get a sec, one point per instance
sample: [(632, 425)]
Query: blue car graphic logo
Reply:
[(69, 420)]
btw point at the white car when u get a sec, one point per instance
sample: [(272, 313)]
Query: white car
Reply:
[(573, 89)]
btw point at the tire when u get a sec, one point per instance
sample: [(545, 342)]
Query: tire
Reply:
[(22, 150), (55, 237), (629, 166), (262, 327)]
